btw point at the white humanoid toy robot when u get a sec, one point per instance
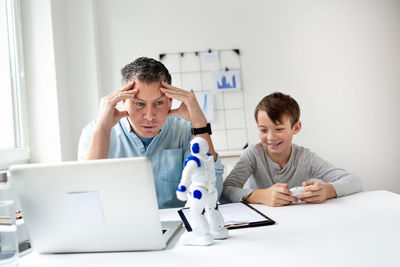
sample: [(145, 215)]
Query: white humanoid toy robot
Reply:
[(199, 176)]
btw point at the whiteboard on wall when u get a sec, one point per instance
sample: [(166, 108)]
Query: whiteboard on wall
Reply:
[(215, 77)]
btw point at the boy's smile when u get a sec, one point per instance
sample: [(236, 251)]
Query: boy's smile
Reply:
[(277, 137), (275, 145)]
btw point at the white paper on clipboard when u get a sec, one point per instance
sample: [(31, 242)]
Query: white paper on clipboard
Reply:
[(237, 215)]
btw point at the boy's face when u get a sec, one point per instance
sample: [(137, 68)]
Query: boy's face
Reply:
[(276, 138), (148, 110)]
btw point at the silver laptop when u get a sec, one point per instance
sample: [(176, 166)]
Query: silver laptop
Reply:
[(91, 206)]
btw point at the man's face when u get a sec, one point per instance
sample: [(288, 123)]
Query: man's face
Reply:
[(148, 110), (276, 138)]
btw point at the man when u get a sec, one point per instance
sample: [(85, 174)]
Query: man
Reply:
[(147, 126)]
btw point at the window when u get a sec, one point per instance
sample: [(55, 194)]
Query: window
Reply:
[(13, 132)]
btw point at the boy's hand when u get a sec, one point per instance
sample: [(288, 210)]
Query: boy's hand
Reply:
[(274, 196), (317, 192), (108, 114), (189, 108)]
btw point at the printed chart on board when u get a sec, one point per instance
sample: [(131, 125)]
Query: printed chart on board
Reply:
[(215, 77)]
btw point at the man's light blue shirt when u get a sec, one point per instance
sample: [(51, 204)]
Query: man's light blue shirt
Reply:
[(167, 153)]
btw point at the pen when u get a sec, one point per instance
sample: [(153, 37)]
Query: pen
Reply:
[(236, 224)]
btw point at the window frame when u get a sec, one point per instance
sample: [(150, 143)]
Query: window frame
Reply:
[(21, 152)]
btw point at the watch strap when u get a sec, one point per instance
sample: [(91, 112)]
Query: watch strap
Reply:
[(207, 129)]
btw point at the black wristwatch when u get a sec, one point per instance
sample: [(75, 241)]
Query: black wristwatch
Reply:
[(207, 129)]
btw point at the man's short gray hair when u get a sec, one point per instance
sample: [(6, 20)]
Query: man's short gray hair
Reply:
[(146, 70)]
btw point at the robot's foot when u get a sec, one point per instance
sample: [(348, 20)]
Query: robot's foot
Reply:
[(221, 234), (191, 239)]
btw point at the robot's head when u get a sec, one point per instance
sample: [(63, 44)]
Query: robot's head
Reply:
[(198, 146)]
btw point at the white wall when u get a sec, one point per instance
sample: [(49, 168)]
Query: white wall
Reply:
[(61, 74), (76, 65), (40, 81), (339, 59)]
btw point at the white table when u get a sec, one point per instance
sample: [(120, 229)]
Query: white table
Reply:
[(358, 230)]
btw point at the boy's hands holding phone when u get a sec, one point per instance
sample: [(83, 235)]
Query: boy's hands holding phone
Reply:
[(274, 196), (316, 192)]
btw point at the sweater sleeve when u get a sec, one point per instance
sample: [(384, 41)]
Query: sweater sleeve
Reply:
[(233, 190), (344, 183)]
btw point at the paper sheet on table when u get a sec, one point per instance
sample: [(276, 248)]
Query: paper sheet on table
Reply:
[(239, 212), (236, 214)]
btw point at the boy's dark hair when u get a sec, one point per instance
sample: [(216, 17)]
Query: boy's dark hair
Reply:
[(277, 105), (146, 70)]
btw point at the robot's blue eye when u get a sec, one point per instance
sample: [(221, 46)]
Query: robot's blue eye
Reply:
[(195, 148)]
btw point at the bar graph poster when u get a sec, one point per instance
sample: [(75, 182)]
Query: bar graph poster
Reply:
[(226, 80), (206, 103)]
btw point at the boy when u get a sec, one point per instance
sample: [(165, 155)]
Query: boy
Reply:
[(276, 165)]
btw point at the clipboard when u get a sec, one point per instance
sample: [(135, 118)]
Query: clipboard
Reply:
[(236, 215)]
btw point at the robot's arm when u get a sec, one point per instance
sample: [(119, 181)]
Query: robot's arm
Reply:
[(187, 173), (182, 190), (211, 169)]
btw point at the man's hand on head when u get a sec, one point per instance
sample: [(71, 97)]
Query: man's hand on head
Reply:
[(108, 114), (189, 109)]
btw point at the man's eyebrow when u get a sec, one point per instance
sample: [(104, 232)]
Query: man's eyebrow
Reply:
[(137, 98), (157, 99)]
